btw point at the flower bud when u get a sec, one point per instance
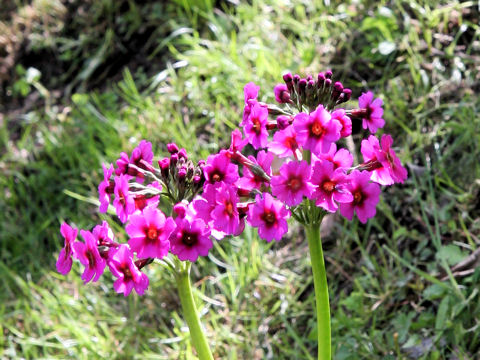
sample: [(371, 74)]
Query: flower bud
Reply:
[(180, 209), (347, 94), (283, 122), (182, 154), (172, 148), (164, 166), (337, 90), (328, 74), (320, 79)]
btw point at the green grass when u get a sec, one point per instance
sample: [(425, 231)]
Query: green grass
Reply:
[(388, 301)]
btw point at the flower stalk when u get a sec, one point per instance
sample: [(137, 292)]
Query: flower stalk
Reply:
[(190, 314), (321, 291)]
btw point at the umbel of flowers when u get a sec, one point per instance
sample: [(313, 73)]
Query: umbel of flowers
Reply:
[(297, 168)]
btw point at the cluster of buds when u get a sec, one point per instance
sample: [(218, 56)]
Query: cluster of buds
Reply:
[(299, 170), (311, 91)]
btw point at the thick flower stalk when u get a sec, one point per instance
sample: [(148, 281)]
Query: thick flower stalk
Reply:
[(298, 168)]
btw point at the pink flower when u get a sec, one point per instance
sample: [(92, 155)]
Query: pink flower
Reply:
[(237, 143), (316, 131), (373, 112), (64, 262), (225, 214), (103, 234), (123, 202), (142, 201), (105, 188), (142, 156), (122, 164), (384, 163), (87, 253), (282, 94), (330, 185), (365, 197), (344, 120), (250, 92), (219, 168), (190, 239), (284, 142), (123, 267), (250, 180), (149, 232), (292, 183), (340, 159), (270, 216), (255, 127)]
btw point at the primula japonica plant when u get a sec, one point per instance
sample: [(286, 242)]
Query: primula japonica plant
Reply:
[(297, 169)]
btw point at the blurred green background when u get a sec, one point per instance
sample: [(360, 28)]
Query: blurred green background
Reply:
[(83, 80)]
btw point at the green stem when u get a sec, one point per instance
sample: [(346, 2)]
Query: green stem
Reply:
[(321, 291), (190, 314)]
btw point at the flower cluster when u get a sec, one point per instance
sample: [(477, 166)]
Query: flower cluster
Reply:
[(295, 167)]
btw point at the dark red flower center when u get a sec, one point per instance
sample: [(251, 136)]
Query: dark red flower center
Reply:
[(257, 127), (328, 186), (152, 233), (291, 143), (189, 239), (369, 111), (317, 129), (229, 208), (127, 274), (269, 217), (294, 183), (121, 198), (217, 176), (140, 202), (91, 258), (111, 187), (357, 197)]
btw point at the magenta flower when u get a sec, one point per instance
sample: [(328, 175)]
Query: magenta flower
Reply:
[(270, 216), (284, 142), (149, 232), (330, 185), (190, 239), (122, 164), (282, 95), (123, 202), (316, 131), (292, 183), (346, 122), (250, 92), (219, 168), (250, 179), (340, 159), (365, 197), (255, 127), (103, 234), (64, 262), (87, 253), (123, 267), (105, 188), (142, 201), (384, 163), (225, 214), (373, 112), (237, 143), (142, 156)]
